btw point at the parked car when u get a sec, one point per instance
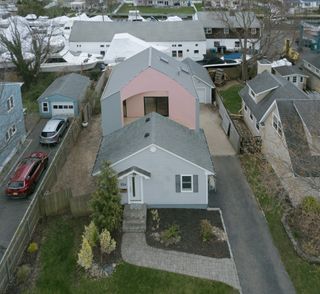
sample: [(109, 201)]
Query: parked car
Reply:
[(54, 129), (27, 173)]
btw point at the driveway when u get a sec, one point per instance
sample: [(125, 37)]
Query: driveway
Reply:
[(258, 262), (13, 210), (210, 122)]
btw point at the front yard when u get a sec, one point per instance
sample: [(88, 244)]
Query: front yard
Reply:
[(57, 270), (265, 185), (156, 10)]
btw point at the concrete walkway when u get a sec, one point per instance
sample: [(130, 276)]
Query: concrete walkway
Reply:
[(210, 122), (135, 250)]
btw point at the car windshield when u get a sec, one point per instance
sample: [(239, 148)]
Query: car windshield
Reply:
[(16, 185), (47, 134)]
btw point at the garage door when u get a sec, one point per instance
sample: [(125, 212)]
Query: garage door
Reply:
[(202, 95), (65, 108)]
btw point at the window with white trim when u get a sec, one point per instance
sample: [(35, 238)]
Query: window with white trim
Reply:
[(10, 132), (180, 53), (196, 51), (186, 183), (226, 31), (301, 79), (45, 107), (10, 103), (252, 93), (174, 53), (251, 116), (245, 107), (294, 79), (276, 123), (257, 126), (253, 31)]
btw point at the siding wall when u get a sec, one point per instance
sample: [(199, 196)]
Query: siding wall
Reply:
[(199, 87), (57, 99), (160, 189), (8, 119), (251, 123)]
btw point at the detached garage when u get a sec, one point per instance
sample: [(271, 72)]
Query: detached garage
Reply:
[(64, 96)]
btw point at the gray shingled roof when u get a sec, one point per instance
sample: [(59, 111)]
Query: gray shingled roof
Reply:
[(309, 112), (163, 132), (199, 71), (286, 70), (125, 71), (168, 31), (304, 164), (285, 91), (263, 82), (223, 19), (72, 85), (313, 58)]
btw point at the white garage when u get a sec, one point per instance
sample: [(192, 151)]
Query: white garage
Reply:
[(62, 108)]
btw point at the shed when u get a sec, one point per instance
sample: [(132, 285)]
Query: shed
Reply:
[(64, 96)]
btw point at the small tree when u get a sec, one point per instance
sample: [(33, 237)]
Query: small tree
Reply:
[(107, 210), (85, 256), (107, 244), (91, 234)]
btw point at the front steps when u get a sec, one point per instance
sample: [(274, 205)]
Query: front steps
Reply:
[(134, 218)]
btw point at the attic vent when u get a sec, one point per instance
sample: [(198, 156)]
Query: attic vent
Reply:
[(164, 59), (146, 135), (147, 119)]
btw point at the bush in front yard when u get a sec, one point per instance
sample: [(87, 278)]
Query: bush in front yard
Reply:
[(107, 244), (206, 230), (91, 234), (106, 200), (171, 235), (85, 256)]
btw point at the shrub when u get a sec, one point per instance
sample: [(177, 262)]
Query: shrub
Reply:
[(310, 205), (23, 273), (155, 218), (171, 235), (206, 230), (85, 256), (33, 247), (107, 244), (105, 202), (91, 234)]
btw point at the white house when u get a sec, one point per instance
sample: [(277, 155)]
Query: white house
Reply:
[(184, 38)]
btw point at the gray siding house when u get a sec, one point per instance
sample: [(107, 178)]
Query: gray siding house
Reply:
[(64, 96), (159, 162), (12, 127), (293, 74)]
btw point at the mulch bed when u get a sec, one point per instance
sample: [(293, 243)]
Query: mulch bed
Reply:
[(189, 222)]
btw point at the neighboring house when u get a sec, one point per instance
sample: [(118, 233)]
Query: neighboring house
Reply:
[(152, 81), (225, 30), (230, 4), (161, 3), (12, 127), (293, 74), (159, 162), (309, 4), (311, 66), (64, 96), (183, 38)]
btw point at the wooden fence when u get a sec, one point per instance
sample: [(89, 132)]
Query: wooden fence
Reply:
[(23, 234)]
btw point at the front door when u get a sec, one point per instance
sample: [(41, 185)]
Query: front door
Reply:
[(134, 189)]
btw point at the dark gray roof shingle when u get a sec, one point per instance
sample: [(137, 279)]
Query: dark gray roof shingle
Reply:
[(198, 71), (288, 70), (167, 31), (163, 132), (285, 91), (263, 82), (313, 59), (125, 71), (72, 85), (304, 164)]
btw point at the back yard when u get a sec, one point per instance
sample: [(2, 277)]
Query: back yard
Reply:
[(57, 270), (231, 98)]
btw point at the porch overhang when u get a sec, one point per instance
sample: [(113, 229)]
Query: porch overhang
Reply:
[(134, 170)]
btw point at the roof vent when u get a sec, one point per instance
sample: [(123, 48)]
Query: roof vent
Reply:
[(147, 119), (164, 59), (146, 135)]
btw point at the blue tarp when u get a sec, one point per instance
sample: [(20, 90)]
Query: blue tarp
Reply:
[(232, 56)]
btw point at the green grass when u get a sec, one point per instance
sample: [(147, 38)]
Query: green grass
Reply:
[(30, 95), (304, 276), (59, 272), (199, 6), (231, 98), (156, 10)]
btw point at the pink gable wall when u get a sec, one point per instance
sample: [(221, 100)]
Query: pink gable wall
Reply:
[(182, 107)]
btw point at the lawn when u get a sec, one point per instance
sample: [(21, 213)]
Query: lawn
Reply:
[(305, 277), (30, 95), (59, 272), (199, 6), (231, 98), (156, 10)]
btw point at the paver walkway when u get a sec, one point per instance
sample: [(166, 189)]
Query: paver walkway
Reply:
[(135, 250)]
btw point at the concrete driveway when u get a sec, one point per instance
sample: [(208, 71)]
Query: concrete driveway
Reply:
[(210, 122), (13, 210), (257, 260)]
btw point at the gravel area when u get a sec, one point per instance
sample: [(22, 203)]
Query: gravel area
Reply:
[(188, 221)]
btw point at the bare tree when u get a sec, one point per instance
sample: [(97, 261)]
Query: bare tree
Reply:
[(27, 68), (256, 38)]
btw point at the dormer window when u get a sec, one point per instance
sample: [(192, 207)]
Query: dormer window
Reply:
[(252, 94)]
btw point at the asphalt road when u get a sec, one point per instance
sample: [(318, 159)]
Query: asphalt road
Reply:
[(257, 260), (12, 210)]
